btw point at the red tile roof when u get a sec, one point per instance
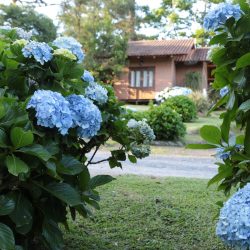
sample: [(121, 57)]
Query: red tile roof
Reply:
[(160, 47), (195, 55)]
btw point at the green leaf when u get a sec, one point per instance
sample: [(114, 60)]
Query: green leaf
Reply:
[(211, 134), (7, 241), (21, 138), (52, 235), (119, 155), (16, 166), (63, 192), (200, 146), (224, 172), (84, 179), (2, 111), (100, 180), (22, 215), (243, 61), (225, 127), (245, 106), (3, 139), (7, 205), (240, 139), (36, 150), (219, 39), (132, 158), (70, 166)]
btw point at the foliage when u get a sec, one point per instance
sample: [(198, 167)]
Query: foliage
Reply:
[(232, 80), (16, 16), (201, 102), (172, 91), (166, 123), (184, 106), (47, 128), (104, 28), (181, 218), (193, 80)]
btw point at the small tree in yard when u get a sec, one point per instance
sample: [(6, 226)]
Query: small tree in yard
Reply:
[(232, 77), (52, 114)]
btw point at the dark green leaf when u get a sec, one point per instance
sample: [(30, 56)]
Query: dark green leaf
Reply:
[(7, 241), (64, 192), (227, 171), (70, 166), (16, 166), (225, 127), (84, 179), (52, 235), (7, 205), (22, 215), (132, 158), (100, 180), (36, 150), (21, 138), (3, 139)]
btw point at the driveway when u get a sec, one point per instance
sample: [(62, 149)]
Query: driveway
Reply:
[(160, 166)]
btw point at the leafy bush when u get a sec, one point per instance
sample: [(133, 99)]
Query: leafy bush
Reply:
[(184, 106), (166, 123), (201, 102), (51, 116), (193, 80), (232, 60)]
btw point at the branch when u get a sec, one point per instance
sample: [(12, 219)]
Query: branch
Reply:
[(97, 162), (92, 157)]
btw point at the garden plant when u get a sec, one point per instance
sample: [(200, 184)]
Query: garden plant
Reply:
[(231, 24), (54, 118)]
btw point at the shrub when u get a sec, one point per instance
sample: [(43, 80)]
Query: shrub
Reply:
[(184, 106), (201, 102), (166, 123), (193, 80), (51, 116)]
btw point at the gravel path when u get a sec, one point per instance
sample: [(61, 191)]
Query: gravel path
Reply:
[(160, 166)]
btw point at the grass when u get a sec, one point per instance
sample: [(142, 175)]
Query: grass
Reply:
[(148, 213)]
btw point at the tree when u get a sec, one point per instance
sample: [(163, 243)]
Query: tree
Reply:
[(175, 18), (28, 19), (103, 27)]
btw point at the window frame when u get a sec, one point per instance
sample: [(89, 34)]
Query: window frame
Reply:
[(142, 69)]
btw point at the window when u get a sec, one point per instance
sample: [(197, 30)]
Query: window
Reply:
[(142, 77)]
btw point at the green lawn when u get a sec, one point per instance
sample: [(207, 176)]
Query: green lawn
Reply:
[(148, 213)]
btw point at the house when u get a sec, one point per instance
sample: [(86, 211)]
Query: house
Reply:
[(157, 64)]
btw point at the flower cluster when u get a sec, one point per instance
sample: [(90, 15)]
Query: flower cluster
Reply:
[(22, 34), (220, 14), (170, 92), (143, 135), (221, 154), (86, 116), (233, 226), (53, 110), (40, 51), (65, 53), (72, 45), (96, 93), (224, 91), (87, 77)]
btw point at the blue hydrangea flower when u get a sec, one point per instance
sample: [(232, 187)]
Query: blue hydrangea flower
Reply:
[(52, 110), (143, 128), (86, 116), (22, 34), (96, 93), (87, 77), (221, 154), (40, 51), (219, 15), (224, 91), (140, 150), (233, 226), (72, 45)]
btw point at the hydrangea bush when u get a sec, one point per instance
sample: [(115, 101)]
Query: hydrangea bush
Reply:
[(231, 24), (54, 118)]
